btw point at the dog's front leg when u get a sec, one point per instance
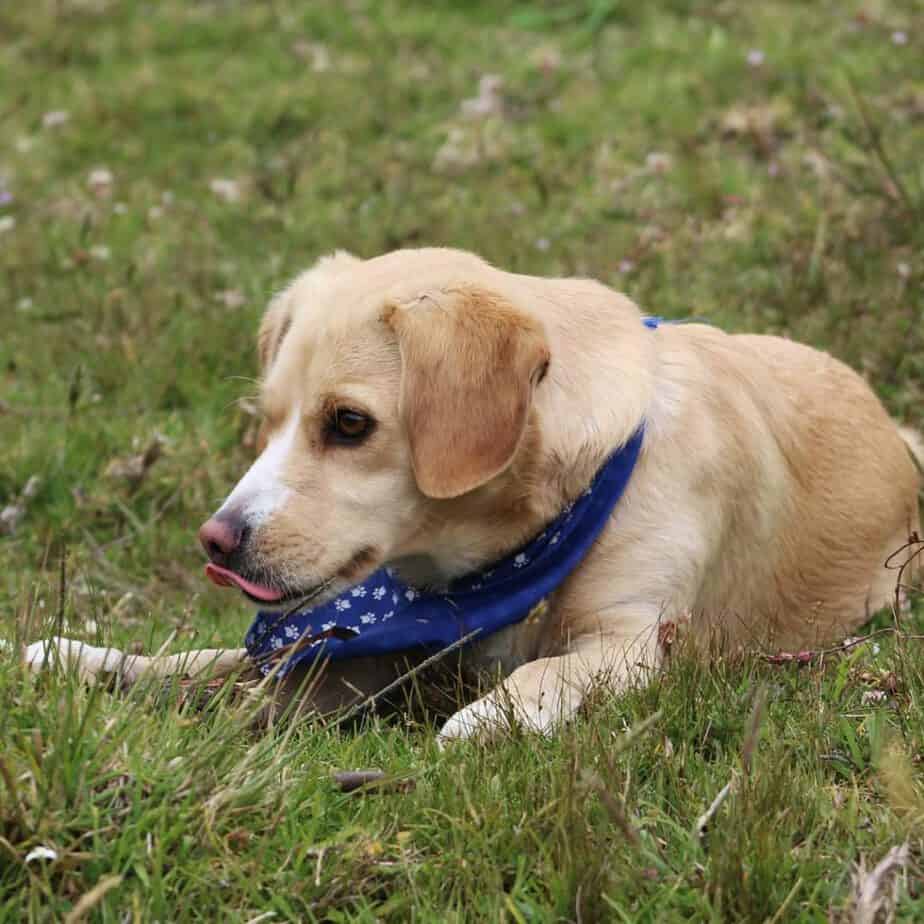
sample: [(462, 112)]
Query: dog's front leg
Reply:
[(92, 662), (543, 694)]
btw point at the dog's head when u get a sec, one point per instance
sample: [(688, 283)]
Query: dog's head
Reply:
[(397, 398)]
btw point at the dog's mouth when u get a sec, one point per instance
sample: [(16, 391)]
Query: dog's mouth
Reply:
[(254, 590), (225, 577)]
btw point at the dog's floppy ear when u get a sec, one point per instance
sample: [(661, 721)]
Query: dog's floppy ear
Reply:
[(470, 362)]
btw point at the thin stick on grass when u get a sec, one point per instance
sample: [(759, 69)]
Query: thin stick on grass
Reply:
[(874, 137), (616, 807), (91, 899), (703, 821), (778, 916), (753, 732)]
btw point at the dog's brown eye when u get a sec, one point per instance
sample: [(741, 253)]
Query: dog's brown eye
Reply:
[(349, 427)]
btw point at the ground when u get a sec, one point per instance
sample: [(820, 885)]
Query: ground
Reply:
[(164, 167)]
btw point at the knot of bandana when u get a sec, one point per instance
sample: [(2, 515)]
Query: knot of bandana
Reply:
[(384, 615)]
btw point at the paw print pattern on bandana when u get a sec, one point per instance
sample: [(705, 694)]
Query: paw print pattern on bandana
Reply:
[(382, 614)]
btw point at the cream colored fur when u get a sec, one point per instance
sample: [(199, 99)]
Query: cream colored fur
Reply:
[(771, 489)]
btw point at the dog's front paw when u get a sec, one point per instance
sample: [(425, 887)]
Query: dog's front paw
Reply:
[(493, 714), (89, 661)]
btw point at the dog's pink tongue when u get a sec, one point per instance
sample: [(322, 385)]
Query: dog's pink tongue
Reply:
[(224, 577)]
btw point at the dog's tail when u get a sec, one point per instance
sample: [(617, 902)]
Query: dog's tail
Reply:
[(915, 443)]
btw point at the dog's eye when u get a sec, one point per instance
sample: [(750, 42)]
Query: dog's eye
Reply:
[(348, 427)]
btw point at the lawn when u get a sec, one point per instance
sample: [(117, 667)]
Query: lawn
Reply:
[(164, 168)]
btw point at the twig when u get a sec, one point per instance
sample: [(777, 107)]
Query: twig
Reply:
[(710, 812), (807, 656), (750, 740), (92, 898), (874, 136), (916, 546), (616, 807), (778, 916), (374, 781), (611, 804)]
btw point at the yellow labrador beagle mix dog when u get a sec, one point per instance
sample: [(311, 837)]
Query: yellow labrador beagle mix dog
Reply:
[(426, 411)]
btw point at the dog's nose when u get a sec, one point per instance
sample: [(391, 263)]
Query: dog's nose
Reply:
[(222, 536)]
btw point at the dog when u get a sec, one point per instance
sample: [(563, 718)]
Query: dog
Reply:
[(426, 411)]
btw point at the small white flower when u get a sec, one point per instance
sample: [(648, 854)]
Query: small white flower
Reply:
[(488, 102), (658, 162), (543, 244), (873, 697), (155, 212), (899, 37), (358, 591), (755, 57), (7, 223), (367, 618), (24, 304), (520, 561), (388, 615), (341, 605), (231, 298), (903, 270), (100, 179), (626, 266), (120, 208), (225, 189), (100, 252), (55, 118), (41, 853), (379, 593), (291, 631)]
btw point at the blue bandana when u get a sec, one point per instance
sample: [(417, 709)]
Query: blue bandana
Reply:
[(383, 615)]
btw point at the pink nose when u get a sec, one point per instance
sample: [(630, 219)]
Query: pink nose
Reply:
[(221, 537)]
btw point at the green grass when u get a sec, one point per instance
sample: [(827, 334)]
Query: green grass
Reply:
[(638, 144)]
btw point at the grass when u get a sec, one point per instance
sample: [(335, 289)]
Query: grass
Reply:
[(755, 164)]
